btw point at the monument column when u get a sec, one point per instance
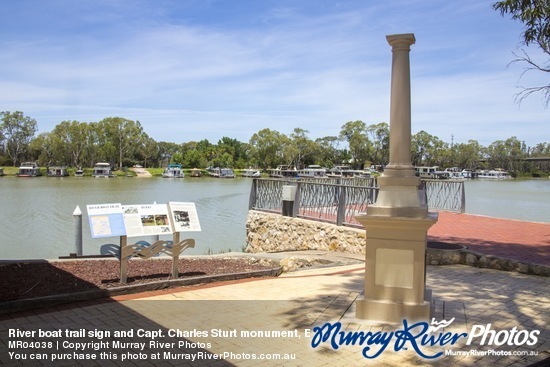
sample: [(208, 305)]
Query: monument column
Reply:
[(397, 224), (400, 105)]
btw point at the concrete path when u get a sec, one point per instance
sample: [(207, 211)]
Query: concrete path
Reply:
[(206, 322)]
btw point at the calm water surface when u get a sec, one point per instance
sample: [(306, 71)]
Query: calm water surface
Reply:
[(36, 213), (37, 219)]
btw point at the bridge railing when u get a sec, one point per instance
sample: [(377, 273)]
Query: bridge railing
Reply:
[(338, 201)]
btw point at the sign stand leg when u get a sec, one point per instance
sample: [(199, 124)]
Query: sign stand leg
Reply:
[(123, 260), (175, 256)]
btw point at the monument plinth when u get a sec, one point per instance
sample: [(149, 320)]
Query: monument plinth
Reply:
[(397, 224)]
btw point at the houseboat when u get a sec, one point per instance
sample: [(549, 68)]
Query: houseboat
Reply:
[(431, 172), (79, 173), (57, 171), (195, 172), (29, 169), (251, 172), (495, 174), (313, 171), (173, 171), (102, 170), (221, 172), (341, 171), (283, 171)]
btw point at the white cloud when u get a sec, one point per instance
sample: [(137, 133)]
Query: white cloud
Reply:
[(195, 72)]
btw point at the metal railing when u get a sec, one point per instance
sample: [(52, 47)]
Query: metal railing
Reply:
[(446, 195), (338, 201)]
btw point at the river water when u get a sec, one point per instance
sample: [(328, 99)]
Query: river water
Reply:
[(37, 222)]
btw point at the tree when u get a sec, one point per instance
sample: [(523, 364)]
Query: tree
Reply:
[(148, 149), (355, 133), (329, 153), (72, 139), (17, 131), (301, 148), (122, 134), (428, 150), (468, 155), (44, 147), (267, 148), (535, 15), (380, 137)]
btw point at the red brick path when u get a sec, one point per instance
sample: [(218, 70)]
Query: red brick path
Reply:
[(512, 239)]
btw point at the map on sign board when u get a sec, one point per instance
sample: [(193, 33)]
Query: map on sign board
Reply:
[(106, 220), (184, 217), (147, 219)]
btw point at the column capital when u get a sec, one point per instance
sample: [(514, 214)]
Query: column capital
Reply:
[(401, 41)]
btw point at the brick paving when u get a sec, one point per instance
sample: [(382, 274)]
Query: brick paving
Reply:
[(512, 239)]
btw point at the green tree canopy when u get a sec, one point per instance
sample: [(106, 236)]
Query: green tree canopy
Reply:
[(17, 132)]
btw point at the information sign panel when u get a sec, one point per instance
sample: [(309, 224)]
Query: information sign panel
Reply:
[(106, 220), (184, 217)]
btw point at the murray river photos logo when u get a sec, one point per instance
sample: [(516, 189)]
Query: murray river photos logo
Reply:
[(418, 336)]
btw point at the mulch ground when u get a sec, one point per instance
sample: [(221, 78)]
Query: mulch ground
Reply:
[(37, 279)]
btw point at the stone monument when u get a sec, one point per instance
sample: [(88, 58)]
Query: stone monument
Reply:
[(397, 224)]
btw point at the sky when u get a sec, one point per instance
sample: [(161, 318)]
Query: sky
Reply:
[(189, 70)]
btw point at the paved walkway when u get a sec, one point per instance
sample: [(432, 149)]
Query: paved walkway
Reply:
[(512, 239), (209, 321)]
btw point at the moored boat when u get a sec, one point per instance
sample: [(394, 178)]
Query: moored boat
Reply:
[(340, 171), (29, 169), (283, 171), (432, 172), (195, 172), (221, 172), (251, 172), (313, 171), (102, 170), (493, 174), (173, 170), (57, 171), (79, 173)]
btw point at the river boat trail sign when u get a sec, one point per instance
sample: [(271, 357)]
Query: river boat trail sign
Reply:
[(117, 220)]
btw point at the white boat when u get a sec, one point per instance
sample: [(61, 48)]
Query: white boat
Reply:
[(29, 169), (361, 173), (56, 171), (251, 172), (102, 170), (221, 172), (432, 172), (494, 174), (173, 170), (466, 173), (283, 171), (341, 171), (79, 173), (313, 171)]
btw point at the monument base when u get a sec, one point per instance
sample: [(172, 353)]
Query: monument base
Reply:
[(391, 312)]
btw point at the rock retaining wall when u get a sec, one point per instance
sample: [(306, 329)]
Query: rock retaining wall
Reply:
[(267, 232)]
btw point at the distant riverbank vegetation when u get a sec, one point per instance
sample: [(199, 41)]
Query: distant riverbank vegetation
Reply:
[(124, 143)]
